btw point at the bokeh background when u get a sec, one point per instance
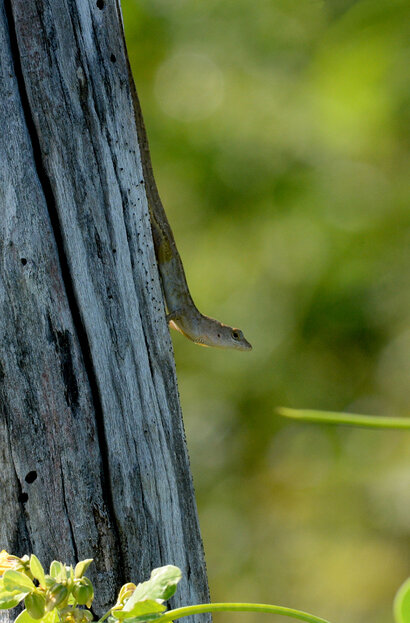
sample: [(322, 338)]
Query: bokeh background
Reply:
[(278, 136)]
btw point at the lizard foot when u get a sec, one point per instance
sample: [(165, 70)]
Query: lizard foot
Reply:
[(174, 315)]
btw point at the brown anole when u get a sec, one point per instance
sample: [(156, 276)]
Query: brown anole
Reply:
[(183, 314)]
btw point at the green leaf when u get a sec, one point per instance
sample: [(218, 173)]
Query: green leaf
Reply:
[(145, 602), (35, 605), (145, 610), (81, 567), (401, 605), (56, 596), (57, 571), (49, 617), (147, 617), (71, 601), (83, 592), (123, 596), (164, 580), (10, 599), (161, 586), (24, 617), (37, 570), (16, 581)]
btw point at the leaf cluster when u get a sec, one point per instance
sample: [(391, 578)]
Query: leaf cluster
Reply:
[(145, 602), (51, 597), (65, 595)]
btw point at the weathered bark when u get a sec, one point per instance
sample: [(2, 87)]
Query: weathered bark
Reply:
[(92, 448)]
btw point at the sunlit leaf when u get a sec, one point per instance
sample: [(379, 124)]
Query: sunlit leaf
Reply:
[(147, 596), (57, 571), (124, 594), (14, 580), (81, 567), (49, 617), (24, 617), (37, 570), (70, 572), (10, 599), (161, 586), (402, 603), (140, 611)]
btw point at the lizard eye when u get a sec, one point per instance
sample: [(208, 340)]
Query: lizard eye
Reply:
[(235, 334)]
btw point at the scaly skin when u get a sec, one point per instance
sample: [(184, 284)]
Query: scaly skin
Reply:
[(182, 312)]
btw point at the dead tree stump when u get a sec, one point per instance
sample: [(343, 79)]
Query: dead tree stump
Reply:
[(92, 447)]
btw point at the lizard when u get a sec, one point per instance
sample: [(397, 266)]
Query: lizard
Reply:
[(183, 315)]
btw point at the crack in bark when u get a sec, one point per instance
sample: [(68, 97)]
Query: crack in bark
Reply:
[(70, 525), (22, 532)]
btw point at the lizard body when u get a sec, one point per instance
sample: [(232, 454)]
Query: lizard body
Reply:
[(183, 314)]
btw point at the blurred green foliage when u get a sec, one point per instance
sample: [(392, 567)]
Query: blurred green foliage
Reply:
[(278, 136)]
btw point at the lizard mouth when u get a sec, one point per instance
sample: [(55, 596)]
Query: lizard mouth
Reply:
[(244, 345)]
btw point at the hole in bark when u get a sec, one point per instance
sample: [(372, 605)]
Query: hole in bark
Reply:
[(23, 261), (113, 58), (100, 4), (114, 250), (31, 477), (23, 497)]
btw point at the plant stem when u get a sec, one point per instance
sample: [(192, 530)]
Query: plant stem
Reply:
[(178, 613), (350, 419), (104, 616)]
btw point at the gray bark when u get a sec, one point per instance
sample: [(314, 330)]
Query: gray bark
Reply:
[(92, 448)]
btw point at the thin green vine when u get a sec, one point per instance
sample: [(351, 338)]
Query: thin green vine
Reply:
[(348, 419), (178, 613)]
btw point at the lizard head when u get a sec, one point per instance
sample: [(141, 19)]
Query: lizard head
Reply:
[(219, 335), (206, 331)]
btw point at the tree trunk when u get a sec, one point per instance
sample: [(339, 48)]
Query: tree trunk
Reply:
[(92, 448)]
